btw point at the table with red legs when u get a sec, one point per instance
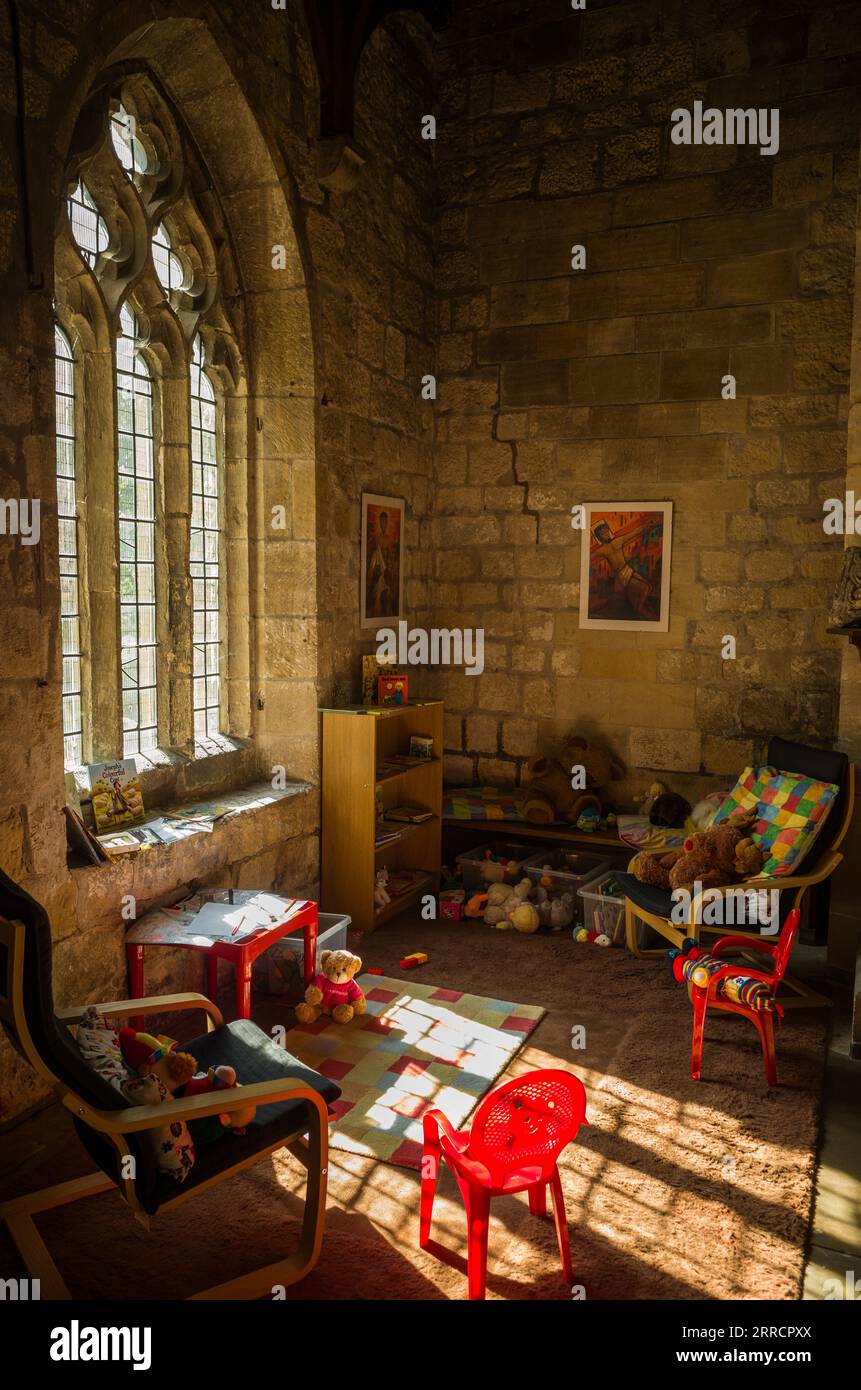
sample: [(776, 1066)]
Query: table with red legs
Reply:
[(160, 929)]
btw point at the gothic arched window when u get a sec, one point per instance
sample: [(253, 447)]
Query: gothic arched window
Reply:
[(145, 625)]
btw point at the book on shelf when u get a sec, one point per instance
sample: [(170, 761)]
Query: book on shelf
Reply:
[(384, 836), (398, 884), (413, 815)]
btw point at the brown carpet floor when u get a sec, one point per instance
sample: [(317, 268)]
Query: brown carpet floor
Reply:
[(677, 1189)]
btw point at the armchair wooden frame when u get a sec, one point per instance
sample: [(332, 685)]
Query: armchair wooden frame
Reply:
[(803, 997), (310, 1147)]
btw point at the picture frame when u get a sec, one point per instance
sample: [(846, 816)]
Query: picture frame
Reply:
[(625, 566), (382, 560)]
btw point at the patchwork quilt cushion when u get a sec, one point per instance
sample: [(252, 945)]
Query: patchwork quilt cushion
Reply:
[(738, 989), (791, 810), (99, 1045)]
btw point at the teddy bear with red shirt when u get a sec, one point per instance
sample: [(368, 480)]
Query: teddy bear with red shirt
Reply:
[(333, 990)]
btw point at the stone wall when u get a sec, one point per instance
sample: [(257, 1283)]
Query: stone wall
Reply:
[(560, 386), (335, 346)]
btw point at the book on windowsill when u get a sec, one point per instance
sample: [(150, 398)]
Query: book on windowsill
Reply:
[(117, 796), (413, 815)]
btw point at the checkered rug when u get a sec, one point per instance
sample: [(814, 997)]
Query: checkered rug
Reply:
[(416, 1047)]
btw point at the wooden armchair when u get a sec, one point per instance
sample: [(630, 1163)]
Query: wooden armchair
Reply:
[(293, 1107), (653, 906)]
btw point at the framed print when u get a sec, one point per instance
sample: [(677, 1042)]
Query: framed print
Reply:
[(625, 566), (382, 560)]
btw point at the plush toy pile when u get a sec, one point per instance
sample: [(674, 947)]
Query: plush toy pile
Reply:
[(711, 858), (150, 1070), (525, 906)]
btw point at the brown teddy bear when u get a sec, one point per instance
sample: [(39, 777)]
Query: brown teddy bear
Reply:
[(550, 795), (333, 990), (712, 858)]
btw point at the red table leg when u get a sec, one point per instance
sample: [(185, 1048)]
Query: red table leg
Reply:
[(310, 934), (212, 977), (135, 958), (243, 986)]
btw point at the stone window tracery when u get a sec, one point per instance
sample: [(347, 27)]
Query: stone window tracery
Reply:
[(151, 352)]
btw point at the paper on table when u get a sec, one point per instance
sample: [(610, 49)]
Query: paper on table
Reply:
[(233, 922)]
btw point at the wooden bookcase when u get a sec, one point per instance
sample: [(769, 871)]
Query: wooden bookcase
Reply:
[(354, 742)]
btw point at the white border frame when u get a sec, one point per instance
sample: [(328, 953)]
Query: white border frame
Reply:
[(391, 504), (608, 624)]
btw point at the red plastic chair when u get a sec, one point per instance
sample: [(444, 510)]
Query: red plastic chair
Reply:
[(706, 997), (512, 1145)]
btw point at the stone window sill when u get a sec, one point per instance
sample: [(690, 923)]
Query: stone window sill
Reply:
[(218, 846)]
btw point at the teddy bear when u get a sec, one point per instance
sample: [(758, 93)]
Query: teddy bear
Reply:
[(552, 793), (333, 990), (724, 854)]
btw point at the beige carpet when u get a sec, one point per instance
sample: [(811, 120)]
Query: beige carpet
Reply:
[(678, 1189)]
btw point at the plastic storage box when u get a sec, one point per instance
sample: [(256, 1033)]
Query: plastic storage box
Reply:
[(283, 963), (603, 911), (569, 870), (477, 871)]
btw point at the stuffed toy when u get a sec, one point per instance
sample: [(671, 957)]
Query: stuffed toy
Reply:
[(594, 938), (669, 809), (509, 907), (497, 896), (475, 905), (550, 795), (712, 858), (157, 1056), (381, 893), (333, 991), (692, 965), (211, 1127)]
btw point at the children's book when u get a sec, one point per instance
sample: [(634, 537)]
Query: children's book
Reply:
[(117, 796), (413, 814)]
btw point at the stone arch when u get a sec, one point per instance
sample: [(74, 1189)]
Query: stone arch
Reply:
[(270, 417)]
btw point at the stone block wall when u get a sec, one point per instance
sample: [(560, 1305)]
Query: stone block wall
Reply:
[(559, 386), (335, 410)]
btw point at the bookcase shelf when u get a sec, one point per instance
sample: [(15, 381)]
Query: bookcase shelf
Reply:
[(355, 742)]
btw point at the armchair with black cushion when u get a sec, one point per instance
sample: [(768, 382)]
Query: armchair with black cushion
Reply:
[(653, 906), (292, 1107)]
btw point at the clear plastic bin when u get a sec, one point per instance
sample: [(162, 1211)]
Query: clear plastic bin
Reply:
[(569, 869), (477, 871), (602, 911), (283, 964)]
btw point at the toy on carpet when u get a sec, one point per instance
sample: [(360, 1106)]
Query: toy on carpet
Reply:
[(475, 905), (451, 904), (510, 907), (414, 959), (381, 896), (551, 793), (692, 965), (156, 1056), (594, 938), (711, 858), (374, 970), (211, 1127), (333, 990)]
